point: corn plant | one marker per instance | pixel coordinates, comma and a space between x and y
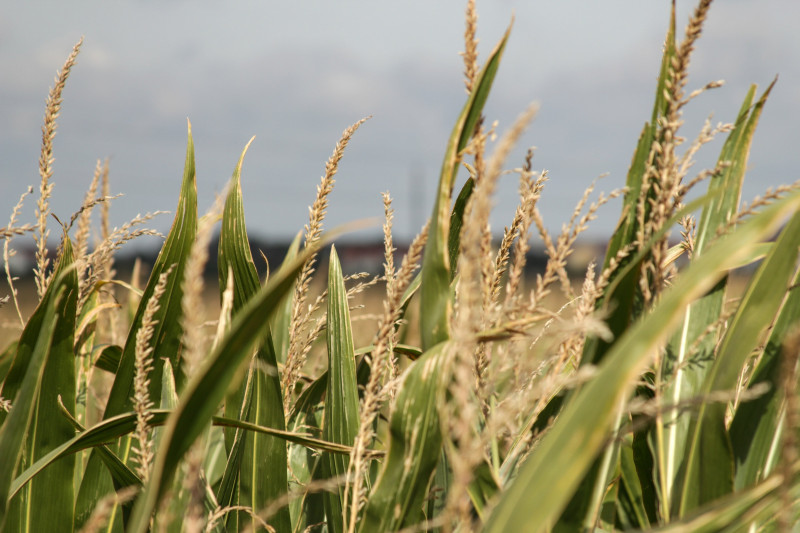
644, 397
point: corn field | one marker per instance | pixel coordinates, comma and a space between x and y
645, 398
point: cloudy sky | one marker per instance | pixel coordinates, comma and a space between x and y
295, 74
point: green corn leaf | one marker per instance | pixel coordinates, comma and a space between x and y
314, 393
170, 517
227, 492
309, 508
167, 332
453, 245
214, 457
708, 466
122, 475
756, 427
436, 306
687, 370
340, 419
169, 391
308, 413
620, 296
301, 476
85, 339
27, 385
108, 359
169, 398
6, 357
234, 259
263, 476
735, 153
440, 487
264, 457
415, 445
49, 498
631, 507
21, 355
740, 512
86, 324
556, 466
124, 424
166, 335
283, 316
457, 221
483, 488
288, 436
204, 392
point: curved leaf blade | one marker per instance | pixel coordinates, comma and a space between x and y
124, 424
264, 457
415, 446
167, 334
709, 466
436, 306
15, 426
340, 417
49, 499
688, 378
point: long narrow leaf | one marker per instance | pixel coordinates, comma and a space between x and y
15, 427
283, 316
688, 370
736, 512
167, 333
414, 447
436, 306
52, 493
708, 466
124, 424
264, 457
49, 499
122, 475
340, 419
756, 426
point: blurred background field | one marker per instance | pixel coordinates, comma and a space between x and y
358, 258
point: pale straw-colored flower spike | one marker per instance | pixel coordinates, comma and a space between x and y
521, 247
52, 110
388, 266
143, 364
295, 358
470, 53
11, 230
666, 171
84, 216
99, 260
